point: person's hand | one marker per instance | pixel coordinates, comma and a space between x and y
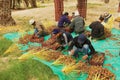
71, 52
85, 57
64, 45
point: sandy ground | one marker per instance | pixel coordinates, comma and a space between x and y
95, 8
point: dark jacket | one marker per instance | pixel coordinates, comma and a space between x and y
97, 29
63, 20
61, 38
78, 45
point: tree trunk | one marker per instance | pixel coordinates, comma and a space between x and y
59, 7
12, 4
106, 1
5, 13
119, 7
18, 4
33, 3
42, 1
82, 7
15, 4
26, 3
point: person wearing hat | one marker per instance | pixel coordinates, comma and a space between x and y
62, 37
77, 23
39, 28
108, 21
97, 29
81, 44
64, 21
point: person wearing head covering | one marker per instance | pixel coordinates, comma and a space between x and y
108, 21
39, 28
72, 16
81, 44
55, 32
62, 37
77, 23
64, 20
97, 29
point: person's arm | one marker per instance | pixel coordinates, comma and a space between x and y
83, 22
65, 38
92, 50
36, 32
71, 45
70, 48
67, 20
72, 24
42, 27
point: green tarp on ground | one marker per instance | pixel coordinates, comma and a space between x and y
110, 46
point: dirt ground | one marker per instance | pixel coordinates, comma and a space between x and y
94, 9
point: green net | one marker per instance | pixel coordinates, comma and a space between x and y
110, 46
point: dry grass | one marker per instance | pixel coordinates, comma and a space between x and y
46, 15
94, 9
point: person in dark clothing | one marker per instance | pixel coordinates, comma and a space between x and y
81, 44
97, 29
64, 38
64, 20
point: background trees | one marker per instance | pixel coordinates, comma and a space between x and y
16, 4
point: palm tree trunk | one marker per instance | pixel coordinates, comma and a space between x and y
26, 3
42, 1
106, 1
82, 7
12, 4
59, 8
5, 13
33, 3
119, 7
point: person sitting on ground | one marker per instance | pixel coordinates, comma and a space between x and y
67, 29
64, 20
108, 21
64, 38
97, 29
39, 28
77, 23
81, 44
71, 17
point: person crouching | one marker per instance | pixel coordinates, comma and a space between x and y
81, 44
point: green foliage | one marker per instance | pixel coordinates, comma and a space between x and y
28, 70
4, 45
